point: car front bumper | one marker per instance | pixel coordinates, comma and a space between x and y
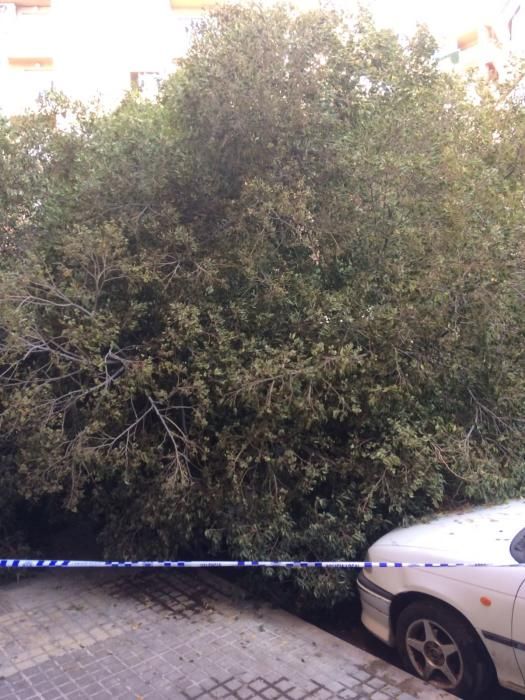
375, 602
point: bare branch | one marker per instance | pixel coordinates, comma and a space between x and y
180, 461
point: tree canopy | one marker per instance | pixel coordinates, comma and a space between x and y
272, 314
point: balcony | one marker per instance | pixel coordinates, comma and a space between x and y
30, 35
25, 80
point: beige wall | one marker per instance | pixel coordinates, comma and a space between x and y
95, 46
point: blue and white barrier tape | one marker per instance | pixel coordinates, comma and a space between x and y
78, 564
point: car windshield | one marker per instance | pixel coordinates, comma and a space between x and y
517, 547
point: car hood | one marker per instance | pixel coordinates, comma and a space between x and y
474, 535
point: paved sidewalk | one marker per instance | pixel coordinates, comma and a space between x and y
173, 635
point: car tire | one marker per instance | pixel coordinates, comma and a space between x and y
438, 645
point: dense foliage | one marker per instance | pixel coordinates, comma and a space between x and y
273, 314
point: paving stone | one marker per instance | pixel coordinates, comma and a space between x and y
361, 675
347, 694
173, 636
296, 694
194, 691
53, 694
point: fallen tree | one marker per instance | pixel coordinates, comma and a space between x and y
273, 314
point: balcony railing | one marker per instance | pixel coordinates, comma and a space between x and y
30, 35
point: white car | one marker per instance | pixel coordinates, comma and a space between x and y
458, 628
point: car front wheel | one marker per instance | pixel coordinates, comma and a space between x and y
437, 644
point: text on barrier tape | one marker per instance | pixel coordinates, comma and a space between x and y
80, 564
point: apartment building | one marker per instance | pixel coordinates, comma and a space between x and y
488, 46
102, 48
95, 48
92, 48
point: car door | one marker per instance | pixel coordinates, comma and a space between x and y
518, 628
486, 597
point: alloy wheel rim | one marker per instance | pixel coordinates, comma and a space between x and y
434, 654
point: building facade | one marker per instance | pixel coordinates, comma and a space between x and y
102, 48
96, 49
488, 46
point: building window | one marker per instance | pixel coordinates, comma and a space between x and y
146, 82
492, 71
